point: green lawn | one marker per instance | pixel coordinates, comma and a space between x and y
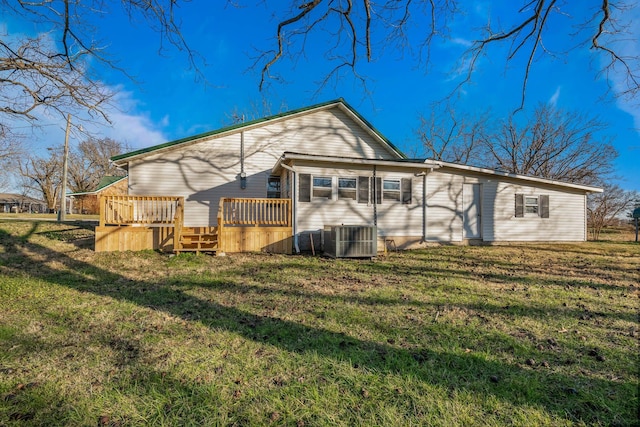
511, 335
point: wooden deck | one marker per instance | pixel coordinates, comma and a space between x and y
157, 222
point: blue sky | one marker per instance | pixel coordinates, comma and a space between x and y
168, 102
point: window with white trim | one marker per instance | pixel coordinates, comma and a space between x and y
531, 205
391, 190
322, 187
347, 188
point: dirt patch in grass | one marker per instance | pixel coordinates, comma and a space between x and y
512, 335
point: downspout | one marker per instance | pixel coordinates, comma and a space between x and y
294, 207
243, 174
375, 198
423, 174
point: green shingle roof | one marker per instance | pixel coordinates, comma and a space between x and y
107, 181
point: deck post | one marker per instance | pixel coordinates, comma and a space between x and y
178, 223
103, 209
221, 224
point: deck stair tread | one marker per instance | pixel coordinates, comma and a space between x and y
198, 240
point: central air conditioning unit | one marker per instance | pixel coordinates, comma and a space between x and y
350, 241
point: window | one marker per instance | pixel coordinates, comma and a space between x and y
322, 187
363, 189
347, 188
528, 206
274, 187
391, 190
406, 191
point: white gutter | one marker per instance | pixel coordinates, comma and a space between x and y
294, 207
355, 161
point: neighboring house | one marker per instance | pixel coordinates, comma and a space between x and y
16, 203
87, 202
338, 169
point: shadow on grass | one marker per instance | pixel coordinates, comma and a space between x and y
557, 393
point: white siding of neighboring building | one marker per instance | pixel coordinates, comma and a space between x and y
209, 169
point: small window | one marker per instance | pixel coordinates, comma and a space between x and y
274, 189
531, 205
347, 188
322, 187
391, 190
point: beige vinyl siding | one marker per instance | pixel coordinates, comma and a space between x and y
206, 170
394, 218
566, 220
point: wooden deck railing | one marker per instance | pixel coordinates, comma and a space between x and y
178, 223
144, 210
254, 212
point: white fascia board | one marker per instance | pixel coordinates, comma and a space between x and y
484, 171
352, 161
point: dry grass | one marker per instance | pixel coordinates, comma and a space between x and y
513, 335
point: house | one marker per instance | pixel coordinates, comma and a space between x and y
87, 202
336, 168
16, 203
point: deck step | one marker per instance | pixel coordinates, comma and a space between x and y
194, 241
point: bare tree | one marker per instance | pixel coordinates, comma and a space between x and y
448, 138
10, 145
357, 30
603, 208
57, 70
11, 148
552, 144
89, 163
42, 176
549, 143
256, 110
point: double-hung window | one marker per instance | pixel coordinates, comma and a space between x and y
532, 206
391, 190
347, 188
322, 186
362, 189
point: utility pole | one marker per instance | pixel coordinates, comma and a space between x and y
63, 195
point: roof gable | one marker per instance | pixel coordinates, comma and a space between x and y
340, 103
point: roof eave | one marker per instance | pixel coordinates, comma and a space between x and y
289, 158
585, 188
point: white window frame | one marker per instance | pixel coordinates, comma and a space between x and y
348, 193
386, 191
322, 188
531, 206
